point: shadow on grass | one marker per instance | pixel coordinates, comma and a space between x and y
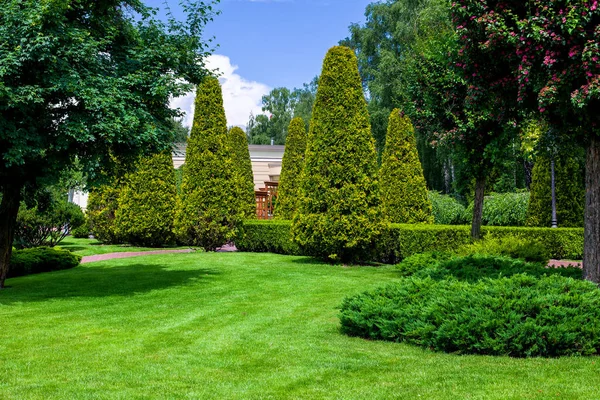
81, 281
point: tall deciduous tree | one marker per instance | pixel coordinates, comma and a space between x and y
240, 156
291, 170
89, 79
339, 216
404, 196
208, 211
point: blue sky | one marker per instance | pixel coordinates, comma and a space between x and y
270, 43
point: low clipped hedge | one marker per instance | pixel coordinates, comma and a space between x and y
41, 259
520, 316
400, 241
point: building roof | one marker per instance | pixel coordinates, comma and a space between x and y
257, 151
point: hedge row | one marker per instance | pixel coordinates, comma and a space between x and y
401, 241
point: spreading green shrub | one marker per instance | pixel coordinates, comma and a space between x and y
291, 170
102, 204
475, 267
447, 210
41, 259
339, 217
147, 201
404, 198
83, 231
46, 225
503, 209
400, 241
240, 155
520, 316
510, 247
208, 211
570, 193
417, 262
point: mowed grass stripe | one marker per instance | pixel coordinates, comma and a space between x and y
235, 326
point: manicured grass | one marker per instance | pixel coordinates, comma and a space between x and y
90, 247
235, 326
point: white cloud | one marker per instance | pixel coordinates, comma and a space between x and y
240, 96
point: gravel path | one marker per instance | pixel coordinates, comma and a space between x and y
127, 254
564, 263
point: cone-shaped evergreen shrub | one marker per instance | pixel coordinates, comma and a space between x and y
570, 193
291, 170
339, 217
147, 203
208, 210
240, 155
101, 207
404, 198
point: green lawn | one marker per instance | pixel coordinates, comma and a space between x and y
90, 247
235, 326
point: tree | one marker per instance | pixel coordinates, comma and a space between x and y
304, 99
339, 216
102, 205
404, 196
180, 132
291, 170
240, 155
86, 80
208, 211
146, 203
258, 129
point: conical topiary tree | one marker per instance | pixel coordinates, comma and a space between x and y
339, 217
570, 193
240, 155
208, 210
101, 208
291, 170
147, 202
404, 196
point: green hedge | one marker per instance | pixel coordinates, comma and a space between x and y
520, 316
401, 241
41, 259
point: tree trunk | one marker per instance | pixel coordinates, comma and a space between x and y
478, 208
554, 221
591, 247
9, 207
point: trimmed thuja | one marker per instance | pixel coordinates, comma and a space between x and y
240, 155
101, 208
208, 211
570, 193
403, 189
147, 202
339, 217
291, 170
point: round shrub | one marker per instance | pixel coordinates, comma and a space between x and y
520, 316
208, 211
503, 209
41, 259
339, 217
240, 155
291, 170
447, 210
404, 198
147, 201
570, 193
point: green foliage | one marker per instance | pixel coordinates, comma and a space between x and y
403, 190
240, 155
446, 209
41, 259
412, 264
103, 202
339, 216
508, 246
398, 241
83, 231
570, 193
267, 236
520, 316
291, 170
146, 203
503, 209
208, 211
46, 224
476, 267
